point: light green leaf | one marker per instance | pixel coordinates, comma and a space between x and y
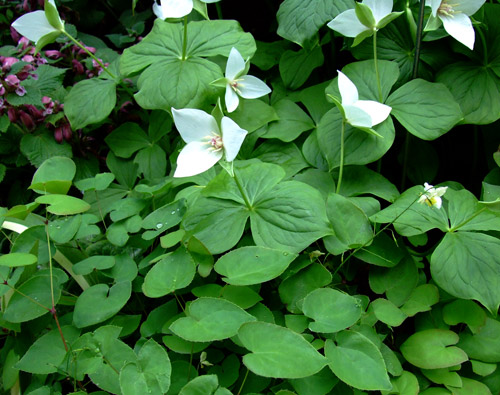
278, 352
288, 156
385, 311
299, 21
15, 259
331, 310
63, 204
90, 101
296, 67
467, 265
202, 385
109, 300
421, 299
433, 349
425, 109
127, 139
54, 176
175, 271
96, 262
47, 352
252, 265
210, 319
253, 114
152, 162
464, 311
357, 361
483, 345
360, 180
292, 122
475, 88
383, 251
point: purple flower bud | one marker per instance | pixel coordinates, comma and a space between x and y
24, 42
8, 62
26, 120
26, 6
77, 67
28, 58
58, 135
66, 131
35, 112
53, 54
47, 111
12, 80
15, 35
12, 114
2, 90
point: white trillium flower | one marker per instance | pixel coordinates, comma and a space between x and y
363, 114
36, 25
206, 143
175, 8
237, 83
454, 14
432, 196
376, 14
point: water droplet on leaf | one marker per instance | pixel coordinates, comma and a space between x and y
159, 225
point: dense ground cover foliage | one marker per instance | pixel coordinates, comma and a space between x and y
270, 197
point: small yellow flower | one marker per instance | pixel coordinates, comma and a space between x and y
432, 196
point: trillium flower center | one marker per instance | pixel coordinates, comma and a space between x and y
447, 9
215, 142
236, 85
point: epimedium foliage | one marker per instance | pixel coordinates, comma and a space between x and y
189, 209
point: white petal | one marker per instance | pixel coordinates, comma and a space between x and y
235, 64
194, 124
377, 111
33, 25
251, 87
172, 8
195, 158
347, 24
380, 8
348, 90
231, 98
441, 191
428, 187
468, 7
437, 201
434, 4
232, 137
460, 28
14, 226
357, 117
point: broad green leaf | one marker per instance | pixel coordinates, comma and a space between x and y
201, 385
296, 67
96, 262
34, 298
152, 162
320, 383
151, 373
383, 251
483, 345
475, 88
421, 299
210, 319
253, 265
125, 171
410, 217
47, 352
406, 384
483, 368
349, 222
177, 83
385, 311
90, 101
127, 139
291, 123
471, 387
425, 109
443, 376
100, 182
253, 114
467, 265
360, 180
318, 179
15, 259
299, 21
433, 349
331, 310
244, 297
109, 300
63, 204
173, 272
464, 311
49, 78
357, 361
289, 217
360, 147
278, 352
288, 156
54, 176
62, 230
163, 218
42, 146
298, 286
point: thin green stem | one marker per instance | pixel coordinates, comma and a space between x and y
242, 191
77, 43
184, 38
418, 39
219, 10
485, 47
377, 75
341, 168
50, 266
243, 383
